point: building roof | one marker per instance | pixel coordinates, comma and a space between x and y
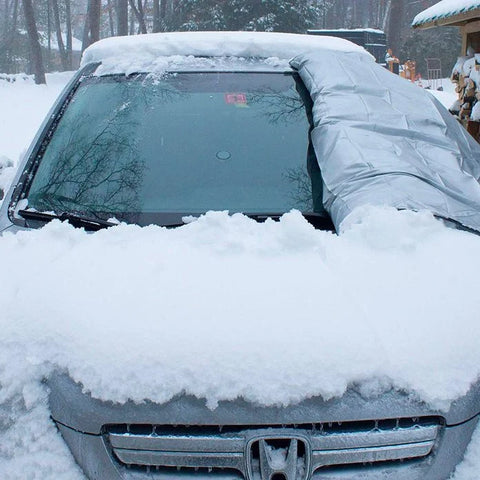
447, 12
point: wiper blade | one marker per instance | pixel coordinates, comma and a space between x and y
262, 217
79, 221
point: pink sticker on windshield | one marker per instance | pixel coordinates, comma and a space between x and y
235, 99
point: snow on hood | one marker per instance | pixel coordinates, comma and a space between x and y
225, 307
143, 52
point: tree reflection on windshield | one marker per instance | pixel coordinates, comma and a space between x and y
147, 145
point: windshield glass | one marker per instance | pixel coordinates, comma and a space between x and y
144, 148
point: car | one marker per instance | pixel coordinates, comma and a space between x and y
166, 127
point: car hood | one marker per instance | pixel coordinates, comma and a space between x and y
73, 407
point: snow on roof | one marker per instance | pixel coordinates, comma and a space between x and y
136, 53
445, 9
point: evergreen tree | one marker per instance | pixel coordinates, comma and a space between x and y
266, 15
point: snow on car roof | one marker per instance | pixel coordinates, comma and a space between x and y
445, 9
148, 52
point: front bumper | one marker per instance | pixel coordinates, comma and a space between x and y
389, 437
94, 455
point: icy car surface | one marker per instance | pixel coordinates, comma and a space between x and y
96, 161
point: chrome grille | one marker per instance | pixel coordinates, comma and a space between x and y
215, 449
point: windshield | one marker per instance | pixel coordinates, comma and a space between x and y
145, 148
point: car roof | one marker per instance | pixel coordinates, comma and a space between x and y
158, 52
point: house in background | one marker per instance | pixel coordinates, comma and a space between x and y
464, 14
16, 59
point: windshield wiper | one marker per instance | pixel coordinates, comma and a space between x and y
79, 221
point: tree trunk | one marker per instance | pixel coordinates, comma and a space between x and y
91, 32
156, 16
35, 48
68, 13
95, 14
58, 28
6, 13
139, 14
110, 17
122, 17
48, 61
395, 24
386, 14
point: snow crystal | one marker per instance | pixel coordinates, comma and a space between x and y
445, 8
142, 53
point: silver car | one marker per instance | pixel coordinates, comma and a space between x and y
97, 158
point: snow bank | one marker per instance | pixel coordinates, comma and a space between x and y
142, 52
445, 8
226, 307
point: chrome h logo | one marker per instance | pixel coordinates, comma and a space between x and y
281, 457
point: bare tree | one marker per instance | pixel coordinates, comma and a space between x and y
122, 17
35, 49
58, 29
386, 14
91, 32
139, 13
110, 17
68, 15
395, 24
157, 26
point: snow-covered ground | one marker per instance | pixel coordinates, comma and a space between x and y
23, 106
447, 96
389, 286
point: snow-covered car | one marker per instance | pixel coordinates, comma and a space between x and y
162, 128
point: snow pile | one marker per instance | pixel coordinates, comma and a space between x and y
226, 307
447, 96
141, 53
201, 303
443, 9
